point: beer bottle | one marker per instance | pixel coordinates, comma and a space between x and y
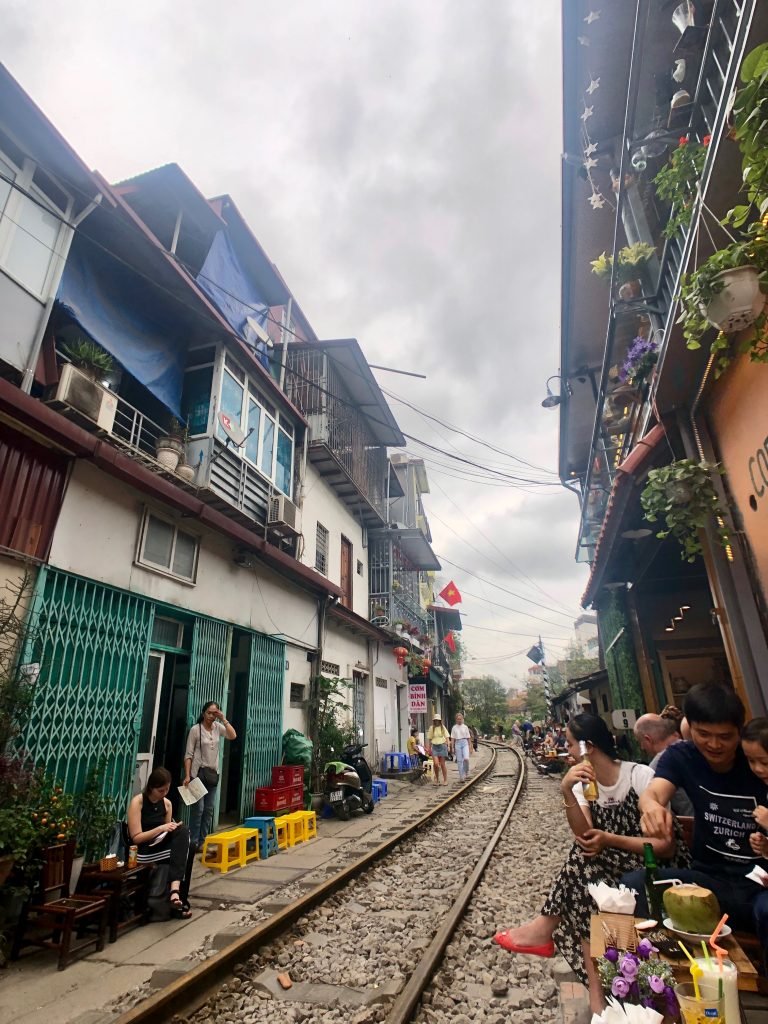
652, 892
590, 788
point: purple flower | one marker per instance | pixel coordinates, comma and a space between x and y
612, 955
628, 967
619, 987
640, 359
645, 947
656, 983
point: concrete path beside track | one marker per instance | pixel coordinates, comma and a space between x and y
32, 991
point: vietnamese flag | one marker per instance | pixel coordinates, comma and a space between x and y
450, 594
450, 643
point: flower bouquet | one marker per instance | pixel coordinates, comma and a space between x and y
638, 979
641, 359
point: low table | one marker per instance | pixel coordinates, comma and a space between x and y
129, 884
748, 976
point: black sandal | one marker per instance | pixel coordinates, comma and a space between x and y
179, 908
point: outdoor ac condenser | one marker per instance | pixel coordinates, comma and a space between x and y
78, 393
283, 515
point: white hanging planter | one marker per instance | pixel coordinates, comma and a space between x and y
187, 473
739, 303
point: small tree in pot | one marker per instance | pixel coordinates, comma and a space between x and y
682, 495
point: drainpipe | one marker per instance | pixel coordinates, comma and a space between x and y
284, 341
322, 604
28, 377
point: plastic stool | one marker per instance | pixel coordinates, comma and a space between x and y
396, 761
375, 791
310, 823
224, 850
429, 767
267, 835
286, 832
382, 784
252, 844
297, 827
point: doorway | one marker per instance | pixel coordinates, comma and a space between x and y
149, 717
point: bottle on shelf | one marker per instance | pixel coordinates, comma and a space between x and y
590, 788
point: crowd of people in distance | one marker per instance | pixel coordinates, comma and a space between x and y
705, 763
458, 745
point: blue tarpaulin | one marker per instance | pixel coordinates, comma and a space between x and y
224, 280
135, 323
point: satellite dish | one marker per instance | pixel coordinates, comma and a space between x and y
234, 433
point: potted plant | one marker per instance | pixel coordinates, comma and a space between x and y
725, 292
750, 129
682, 495
640, 360
170, 447
89, 358
397, 625
379, 611
676, 182
630, 266
95, 821
330, 733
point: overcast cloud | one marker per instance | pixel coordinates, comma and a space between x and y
399, 161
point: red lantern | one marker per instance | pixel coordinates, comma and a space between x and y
427, 663
400, 653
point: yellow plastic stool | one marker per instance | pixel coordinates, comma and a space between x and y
283, 832
428, 767
252, 845
224, 850
310, 823
297, 827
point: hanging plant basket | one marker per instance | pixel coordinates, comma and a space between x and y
738, 302
683, 497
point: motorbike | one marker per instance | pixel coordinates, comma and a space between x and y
348, 783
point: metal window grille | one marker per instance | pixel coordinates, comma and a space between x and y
382, 682
329, 668
321, 549
358, 704
167, 632
297, 693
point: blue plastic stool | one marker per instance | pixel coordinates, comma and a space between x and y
396, 761
375, 791
326, 812
383, 787
267, 835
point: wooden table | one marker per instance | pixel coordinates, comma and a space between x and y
122, 884
748, 976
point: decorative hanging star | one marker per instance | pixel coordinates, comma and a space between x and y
590, 162
596, 201
593, 86
583, 40
588, 111
591, 148
592, 16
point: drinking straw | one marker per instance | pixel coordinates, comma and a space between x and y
695, 972
719, 950
707, 957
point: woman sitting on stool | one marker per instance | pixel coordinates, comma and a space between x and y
149, 819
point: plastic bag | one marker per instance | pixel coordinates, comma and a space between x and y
297, 749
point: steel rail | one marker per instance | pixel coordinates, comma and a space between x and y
403, 1007
191, 990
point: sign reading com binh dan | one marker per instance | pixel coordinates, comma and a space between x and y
417, 698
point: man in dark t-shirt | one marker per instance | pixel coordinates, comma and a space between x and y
713, 771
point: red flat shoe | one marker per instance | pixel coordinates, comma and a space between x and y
503, 939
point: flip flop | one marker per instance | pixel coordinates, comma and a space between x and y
179, 908
504, 940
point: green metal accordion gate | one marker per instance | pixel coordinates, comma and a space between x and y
264, 728
92, 643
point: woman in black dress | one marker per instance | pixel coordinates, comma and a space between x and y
160, 838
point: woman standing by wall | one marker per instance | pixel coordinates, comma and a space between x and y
201, 761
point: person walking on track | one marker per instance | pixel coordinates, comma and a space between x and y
460, 740
438, 739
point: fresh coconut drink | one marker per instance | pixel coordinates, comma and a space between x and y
692, 908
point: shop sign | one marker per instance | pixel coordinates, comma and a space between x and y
417, 698
624, 718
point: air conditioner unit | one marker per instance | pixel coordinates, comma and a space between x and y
78, 393
283, 515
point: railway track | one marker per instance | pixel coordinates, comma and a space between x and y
363, 945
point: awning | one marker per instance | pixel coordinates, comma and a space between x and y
416, 548
623, 484
448, 618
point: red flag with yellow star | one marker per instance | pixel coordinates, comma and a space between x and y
450, 594
450, 643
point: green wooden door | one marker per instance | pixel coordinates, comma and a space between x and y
264, 720
92, 643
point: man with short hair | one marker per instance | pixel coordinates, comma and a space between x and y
654, 735
714, 772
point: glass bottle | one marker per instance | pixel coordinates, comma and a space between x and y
590, 788
653, 892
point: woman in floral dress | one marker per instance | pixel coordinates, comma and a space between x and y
607, 844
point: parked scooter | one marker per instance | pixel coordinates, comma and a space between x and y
348, 783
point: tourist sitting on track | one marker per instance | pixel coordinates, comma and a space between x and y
160, 838
438, 738
607, 839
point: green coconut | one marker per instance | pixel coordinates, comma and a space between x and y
692, 908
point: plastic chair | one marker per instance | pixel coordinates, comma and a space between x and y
383, 787
267, 834
286, 832
224, 850
297, 827
251, 846
310, 823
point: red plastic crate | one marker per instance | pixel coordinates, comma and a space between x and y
287, 775
278, 798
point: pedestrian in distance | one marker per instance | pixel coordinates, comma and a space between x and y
475, 738
201, 761
159, 838
461, 737
438, 739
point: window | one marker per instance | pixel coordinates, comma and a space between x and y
197, 398
167, 632
284, 465
330, 668
382, 682
166, 548
297, 694
231, 402
30, 225
268, 446
321, 549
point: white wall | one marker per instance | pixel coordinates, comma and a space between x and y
97, 535
299, 670
322, 505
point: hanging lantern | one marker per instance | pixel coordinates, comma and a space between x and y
400, 653
427, 663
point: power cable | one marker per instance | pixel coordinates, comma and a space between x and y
497, 586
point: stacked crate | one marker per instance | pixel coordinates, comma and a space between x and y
286, 793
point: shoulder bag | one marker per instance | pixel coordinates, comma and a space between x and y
208, 776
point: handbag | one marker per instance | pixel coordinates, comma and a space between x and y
208, 776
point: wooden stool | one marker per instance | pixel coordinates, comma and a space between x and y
224, 850
310, 823
252, 845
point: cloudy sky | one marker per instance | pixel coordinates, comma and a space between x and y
399, 160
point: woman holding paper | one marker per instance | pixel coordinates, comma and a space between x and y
608, 843
159, 837
201, 761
